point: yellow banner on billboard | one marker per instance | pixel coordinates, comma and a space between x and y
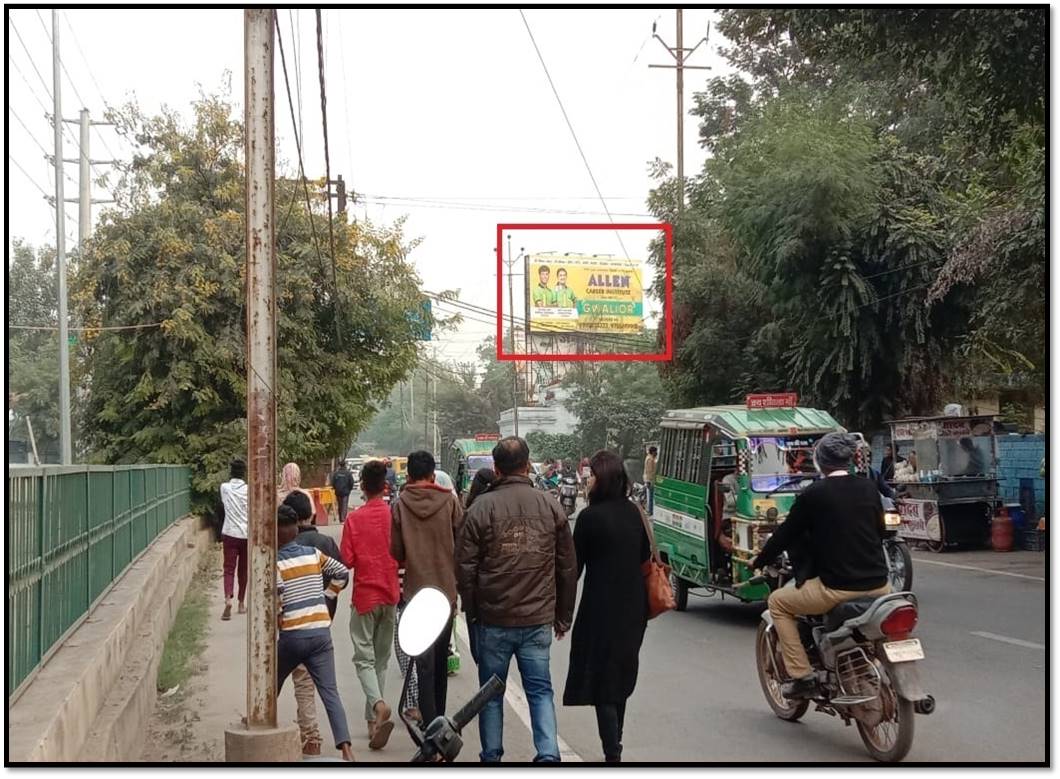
580, 293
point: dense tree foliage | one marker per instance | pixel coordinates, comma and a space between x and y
33, 349
172, 259
869, 229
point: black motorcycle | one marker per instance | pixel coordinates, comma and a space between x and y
896, 550
568, 493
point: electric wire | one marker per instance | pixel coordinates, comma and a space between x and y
327, 172
32, 180
298, 146
92, 76
570, 126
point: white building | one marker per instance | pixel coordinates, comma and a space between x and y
552, 417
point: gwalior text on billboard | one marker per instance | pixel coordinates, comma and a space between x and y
584, 294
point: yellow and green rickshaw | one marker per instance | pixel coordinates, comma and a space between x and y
727, 476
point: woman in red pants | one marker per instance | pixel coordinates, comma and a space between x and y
234, 536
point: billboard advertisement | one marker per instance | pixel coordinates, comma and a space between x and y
579, 293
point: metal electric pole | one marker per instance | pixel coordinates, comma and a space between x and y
258, 738
65, 444
261, 369
85, 162
680, 54
511, 329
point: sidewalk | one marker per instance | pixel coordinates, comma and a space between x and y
217, 696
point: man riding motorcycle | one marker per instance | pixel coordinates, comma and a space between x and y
836, 525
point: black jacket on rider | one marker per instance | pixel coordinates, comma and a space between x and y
839, 522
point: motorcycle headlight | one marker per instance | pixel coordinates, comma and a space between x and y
892, 519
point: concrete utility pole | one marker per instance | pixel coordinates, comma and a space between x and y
84, 198
259, 739
680, 54
65, 443
511, 327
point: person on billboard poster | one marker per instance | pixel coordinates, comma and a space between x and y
542, 296
562, 295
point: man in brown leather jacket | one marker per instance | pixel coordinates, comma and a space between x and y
517, 575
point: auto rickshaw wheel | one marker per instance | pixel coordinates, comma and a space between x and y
680, 588
769, 678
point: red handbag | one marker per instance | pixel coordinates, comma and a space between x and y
656, 575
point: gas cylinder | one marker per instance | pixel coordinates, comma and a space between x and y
1002, 537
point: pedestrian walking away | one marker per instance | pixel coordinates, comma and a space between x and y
425, 522
304, 690
291, 481
366, 551
650, 465
518, 577
305, 624
234, 536
611, 546
342, 483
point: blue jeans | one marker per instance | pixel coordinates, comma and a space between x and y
530, 645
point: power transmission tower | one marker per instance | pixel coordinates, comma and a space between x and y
84, 197
680, 54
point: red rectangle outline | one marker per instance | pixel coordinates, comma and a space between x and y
665, 356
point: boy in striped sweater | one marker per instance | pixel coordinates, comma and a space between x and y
304, 621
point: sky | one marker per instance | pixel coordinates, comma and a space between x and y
445, 117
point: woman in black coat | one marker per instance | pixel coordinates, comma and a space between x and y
612, 544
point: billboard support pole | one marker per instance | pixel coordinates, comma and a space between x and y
511, 329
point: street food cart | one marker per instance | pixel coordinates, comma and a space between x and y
946, 483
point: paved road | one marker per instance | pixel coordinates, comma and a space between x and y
698, 697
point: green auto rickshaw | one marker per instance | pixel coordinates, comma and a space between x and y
727, 476
465, 456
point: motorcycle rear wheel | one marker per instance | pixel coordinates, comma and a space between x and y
901, 567
790, 710
890, 741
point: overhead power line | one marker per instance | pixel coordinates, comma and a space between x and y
414, 202
327, 171
92, 76
298, 146
570, 126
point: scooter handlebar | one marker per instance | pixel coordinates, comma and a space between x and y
471, 709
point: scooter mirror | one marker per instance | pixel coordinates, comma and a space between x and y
423, 620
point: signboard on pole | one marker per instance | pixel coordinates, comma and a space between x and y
584, 294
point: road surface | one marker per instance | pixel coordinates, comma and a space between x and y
698, 697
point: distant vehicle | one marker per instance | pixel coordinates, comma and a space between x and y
464, 457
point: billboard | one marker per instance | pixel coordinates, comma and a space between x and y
579, 293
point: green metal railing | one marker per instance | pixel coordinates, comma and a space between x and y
71, 531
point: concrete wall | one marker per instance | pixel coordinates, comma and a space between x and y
92, 699
1019, 459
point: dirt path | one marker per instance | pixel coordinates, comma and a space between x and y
177, 731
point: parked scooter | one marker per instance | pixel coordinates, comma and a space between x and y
422, 621
864, 658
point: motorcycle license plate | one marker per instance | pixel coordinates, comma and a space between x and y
904, 651
568, 491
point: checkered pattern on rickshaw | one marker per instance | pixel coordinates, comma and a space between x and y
743, 461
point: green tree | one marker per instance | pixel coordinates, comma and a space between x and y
618, 405
33, 348
171, 260
546, 447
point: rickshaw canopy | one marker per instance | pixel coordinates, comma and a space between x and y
742, 422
